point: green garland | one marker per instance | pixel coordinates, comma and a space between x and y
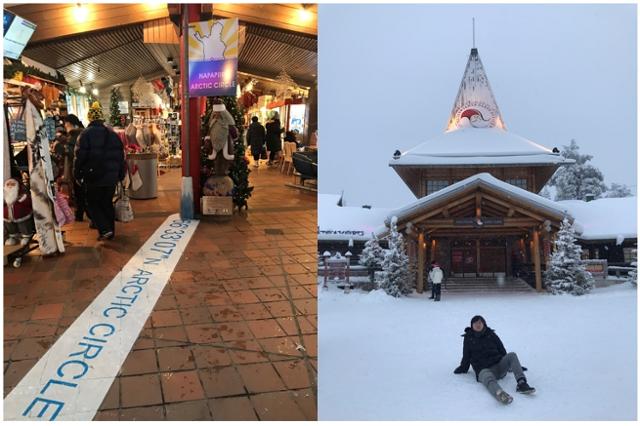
11, 68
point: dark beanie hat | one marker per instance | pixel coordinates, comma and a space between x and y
478, 318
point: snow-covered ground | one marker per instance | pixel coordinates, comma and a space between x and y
393, 359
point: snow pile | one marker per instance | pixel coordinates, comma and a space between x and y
394, 359
605, 218
377, 296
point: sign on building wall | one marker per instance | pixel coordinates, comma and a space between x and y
213, 58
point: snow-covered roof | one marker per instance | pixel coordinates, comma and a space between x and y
472, 145
337, 223
486, 179
604, 218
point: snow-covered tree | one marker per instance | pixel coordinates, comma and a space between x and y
396, 276
618, 190
576, 181
545, 193
372, 255
566, 273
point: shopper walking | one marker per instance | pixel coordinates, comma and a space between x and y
74, 127
256, 137
274, 142
100, 164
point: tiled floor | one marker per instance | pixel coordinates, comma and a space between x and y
233, 336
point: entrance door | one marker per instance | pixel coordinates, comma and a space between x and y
493, 257
464, 258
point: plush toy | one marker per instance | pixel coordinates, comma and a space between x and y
18, 214
222, 132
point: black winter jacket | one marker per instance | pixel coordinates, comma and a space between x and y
98, 143
274, 142
256, 136
481, 350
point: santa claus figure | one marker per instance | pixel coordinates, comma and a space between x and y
18, 214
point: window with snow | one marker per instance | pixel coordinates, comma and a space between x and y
520, 183
436, 185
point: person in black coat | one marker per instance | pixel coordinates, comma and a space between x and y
256, 136
484, 351
100, 165
274, 142
74, 128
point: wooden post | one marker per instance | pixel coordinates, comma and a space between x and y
536, 258
508, 250
421, 256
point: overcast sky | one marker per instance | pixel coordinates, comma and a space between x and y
388, 77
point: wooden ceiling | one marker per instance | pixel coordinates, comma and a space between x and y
112, 44
100, 58
61, 19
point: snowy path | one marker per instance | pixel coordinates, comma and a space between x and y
388, 359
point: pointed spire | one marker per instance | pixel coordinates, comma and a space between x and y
475, 105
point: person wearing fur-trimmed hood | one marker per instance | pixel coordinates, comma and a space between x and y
483, 350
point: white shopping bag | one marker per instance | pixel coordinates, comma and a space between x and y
136, 181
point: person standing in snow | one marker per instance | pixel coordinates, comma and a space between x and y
436, 275
484, 351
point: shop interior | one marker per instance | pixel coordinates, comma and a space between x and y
126, 57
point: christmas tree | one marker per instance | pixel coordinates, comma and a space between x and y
396, 276
240, 175
566, 273
114, 109
372, 255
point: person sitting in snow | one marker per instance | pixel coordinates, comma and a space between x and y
484, 351
436, 275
